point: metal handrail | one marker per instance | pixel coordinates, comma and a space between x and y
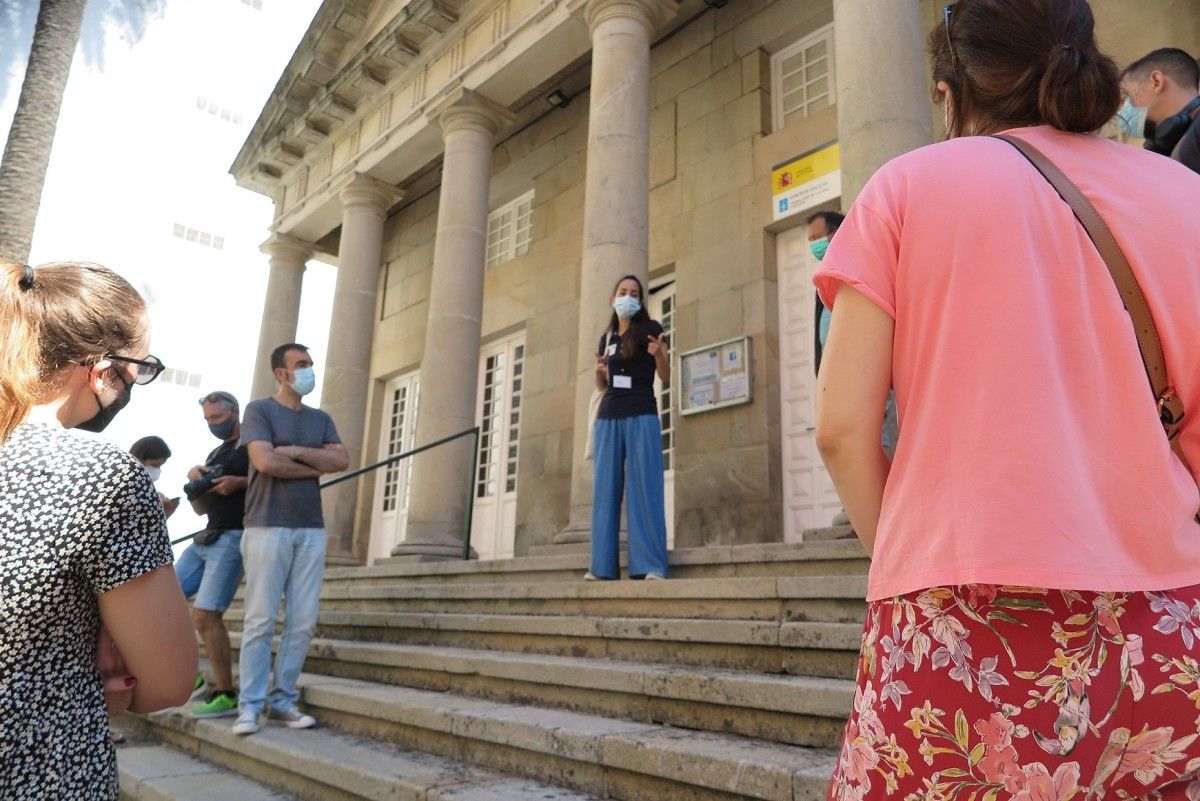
388, 462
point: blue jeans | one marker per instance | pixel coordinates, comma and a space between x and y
633, 446
279, 562
211, 572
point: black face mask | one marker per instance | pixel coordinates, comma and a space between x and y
223, 431
105, 415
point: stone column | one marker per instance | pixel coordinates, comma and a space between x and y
365, 202
281, 309
450, 367
616, 215
878, 119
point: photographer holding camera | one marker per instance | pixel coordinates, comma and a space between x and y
211, 568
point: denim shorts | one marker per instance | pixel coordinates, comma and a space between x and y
212, 573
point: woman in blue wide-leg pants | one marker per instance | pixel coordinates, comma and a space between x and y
629, 456
627, 441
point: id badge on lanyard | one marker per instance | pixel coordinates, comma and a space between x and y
618, 381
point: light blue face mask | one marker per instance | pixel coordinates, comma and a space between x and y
305, 381
819, 247
1131, 120
626, 306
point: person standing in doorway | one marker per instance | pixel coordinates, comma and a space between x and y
211, 568
821, 228
628, 440
283, 545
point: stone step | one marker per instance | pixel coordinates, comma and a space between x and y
326, 765
592, 754
809, 535
798, 710
833, 599
818, 649
826, 533
837, 557
160, 773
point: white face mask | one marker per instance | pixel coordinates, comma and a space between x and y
155, 473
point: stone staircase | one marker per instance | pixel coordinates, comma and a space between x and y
517, 680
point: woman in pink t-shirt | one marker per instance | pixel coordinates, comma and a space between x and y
1034, 617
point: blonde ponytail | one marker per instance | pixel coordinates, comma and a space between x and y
20, 363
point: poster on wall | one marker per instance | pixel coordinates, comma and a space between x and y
715, 376
806, 181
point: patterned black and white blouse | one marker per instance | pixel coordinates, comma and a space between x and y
77, 518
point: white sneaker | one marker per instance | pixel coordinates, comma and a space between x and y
291, 717
247, 723
590, 576
655, 577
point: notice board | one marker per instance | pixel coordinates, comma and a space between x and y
715, 376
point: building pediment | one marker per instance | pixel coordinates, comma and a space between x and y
357, 94
351, 50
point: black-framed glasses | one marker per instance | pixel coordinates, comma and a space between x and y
148, 369
946, 23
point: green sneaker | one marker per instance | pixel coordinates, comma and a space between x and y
217, 705
197, 686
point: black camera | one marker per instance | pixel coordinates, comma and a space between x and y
194, 489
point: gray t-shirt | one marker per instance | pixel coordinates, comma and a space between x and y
285, 502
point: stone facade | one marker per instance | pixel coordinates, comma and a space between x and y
359, 99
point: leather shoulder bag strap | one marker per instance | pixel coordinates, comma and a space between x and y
1170, 407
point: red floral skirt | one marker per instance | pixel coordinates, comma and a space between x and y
982, 693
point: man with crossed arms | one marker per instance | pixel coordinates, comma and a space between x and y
283, 546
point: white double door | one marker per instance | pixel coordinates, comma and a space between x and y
661, 306
398, 434
809, 499
501, 382
494, 483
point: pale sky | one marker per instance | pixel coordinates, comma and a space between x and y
133, 156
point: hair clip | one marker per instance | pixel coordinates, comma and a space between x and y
26, 280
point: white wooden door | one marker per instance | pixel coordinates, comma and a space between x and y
809, 499
494, 521
398, 433
661, 307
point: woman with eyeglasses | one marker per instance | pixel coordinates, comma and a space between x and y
93, 619
1033, 616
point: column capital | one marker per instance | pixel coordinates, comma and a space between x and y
289, 248
651, 13
360, 191
465, 109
